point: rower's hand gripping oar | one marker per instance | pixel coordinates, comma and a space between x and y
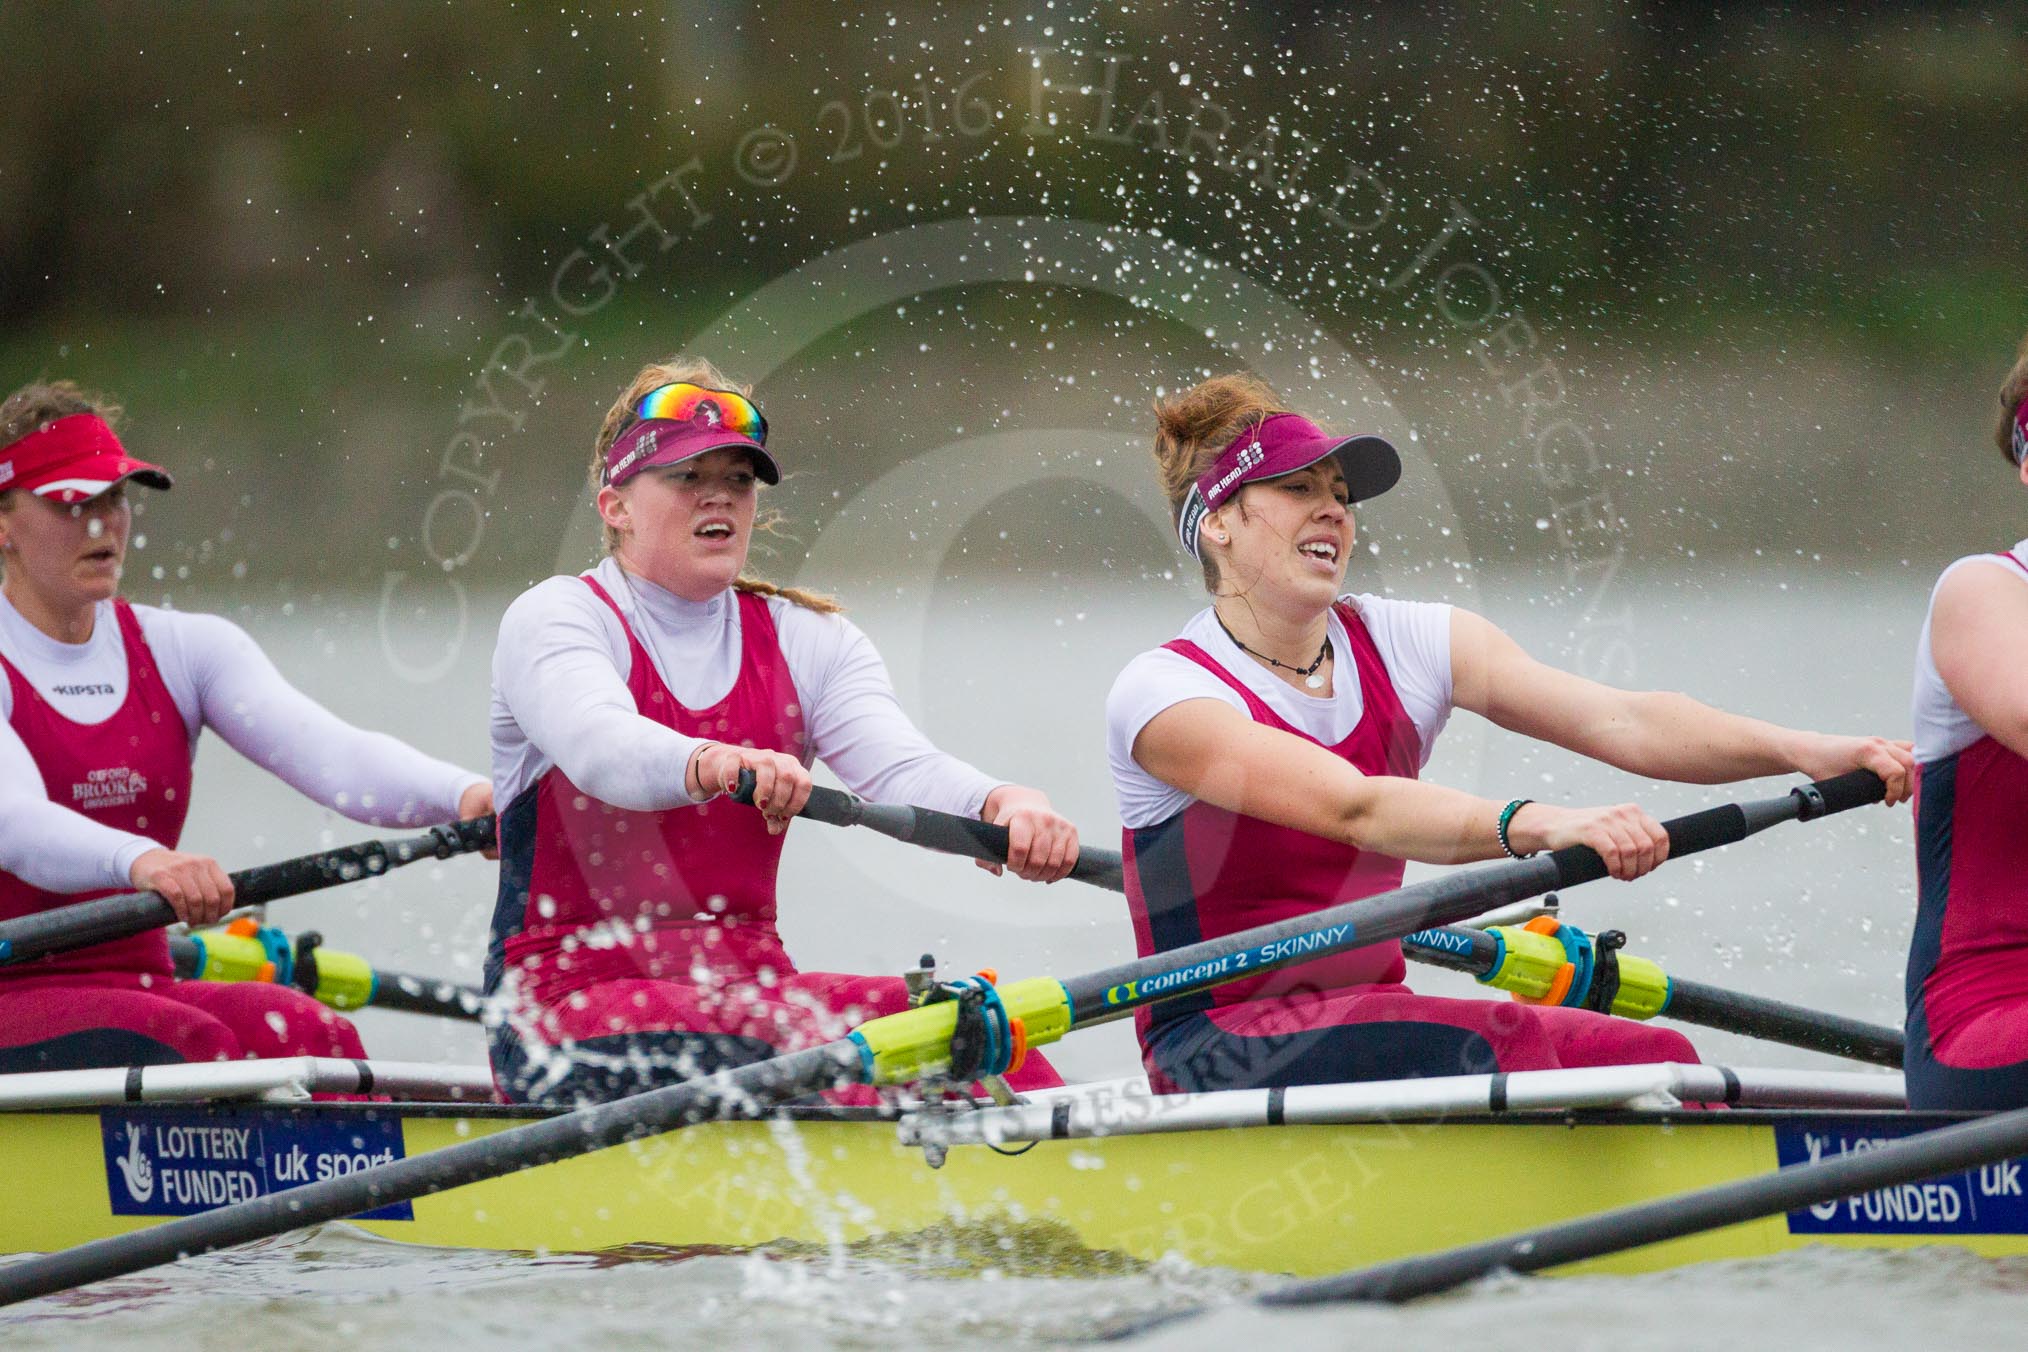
900, 1047
943, 831
107, 918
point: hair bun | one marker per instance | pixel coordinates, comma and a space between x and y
1192, 427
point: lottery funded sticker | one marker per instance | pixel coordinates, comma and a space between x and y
1985, 1201
178, 1162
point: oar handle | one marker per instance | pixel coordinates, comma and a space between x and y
1731, 822
104, 919
945, 832
1854, 788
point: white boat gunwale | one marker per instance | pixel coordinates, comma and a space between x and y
830, 1115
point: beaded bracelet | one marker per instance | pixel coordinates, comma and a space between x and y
1506, 820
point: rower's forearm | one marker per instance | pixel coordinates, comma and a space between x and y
49, 846
1409, 819
634, 764
1663, 735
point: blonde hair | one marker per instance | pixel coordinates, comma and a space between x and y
38, 404
681, 370
2013, 390
1193, 428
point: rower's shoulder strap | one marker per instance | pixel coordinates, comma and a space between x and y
1362, 638
2009, 556
1255, 705
604, 595
635, 651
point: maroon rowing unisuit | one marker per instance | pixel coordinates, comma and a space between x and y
637, 948
118, 1003
1206, 872
1967, 975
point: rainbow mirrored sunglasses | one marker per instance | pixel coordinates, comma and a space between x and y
722, 409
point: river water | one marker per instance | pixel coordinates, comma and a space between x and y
1014, 679
341, 1287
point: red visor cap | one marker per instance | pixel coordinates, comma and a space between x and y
73, 460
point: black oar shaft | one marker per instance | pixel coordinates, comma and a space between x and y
108, 918
1965, 1146
1108, 994
426, 995
942, 831
748, 1091
1775, 1021
1474, 952
391, 990
952, 834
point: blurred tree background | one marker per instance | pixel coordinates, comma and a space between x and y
1763, 240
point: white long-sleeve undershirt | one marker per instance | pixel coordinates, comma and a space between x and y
219, 679
1942, 727
560, 697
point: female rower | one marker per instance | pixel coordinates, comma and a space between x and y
1266, 764
103, 702
635, 934
1967, 1043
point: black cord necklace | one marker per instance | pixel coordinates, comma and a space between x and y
1311, 676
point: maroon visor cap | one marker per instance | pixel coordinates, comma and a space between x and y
1280, 445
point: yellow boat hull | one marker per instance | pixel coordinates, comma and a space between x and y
1289, 1199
